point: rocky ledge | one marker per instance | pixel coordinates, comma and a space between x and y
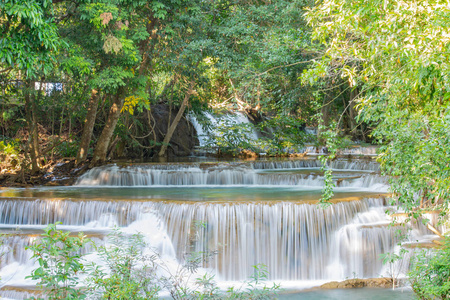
382, 282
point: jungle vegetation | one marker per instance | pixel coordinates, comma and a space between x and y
80, 78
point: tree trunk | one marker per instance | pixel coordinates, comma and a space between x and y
61, 122
111, 147
353, 113
175, 122
30, 107
325, 109
88, 128
101, 148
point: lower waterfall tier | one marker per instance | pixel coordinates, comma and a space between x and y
296, 241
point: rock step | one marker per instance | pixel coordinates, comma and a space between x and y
383, 282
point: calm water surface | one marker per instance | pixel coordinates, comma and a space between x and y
352, 294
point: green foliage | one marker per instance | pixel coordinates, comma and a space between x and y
243, 53
281, 135
227, 136
258, 47
253, 288
327, 191
232, 138
284, 134
8, 114
29, 35
332, 143
206, 288
430, 273
129, 273
395, 53
60, 264
67, 148
9, 148
9, 154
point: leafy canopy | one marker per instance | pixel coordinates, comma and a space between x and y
29, 35
396, 55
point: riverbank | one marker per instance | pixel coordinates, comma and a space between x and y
60, 172
63, 171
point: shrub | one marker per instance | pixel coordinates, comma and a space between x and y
9, 154
430, 273
128, 272
60, 263
67, 148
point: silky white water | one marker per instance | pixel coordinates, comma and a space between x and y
213, 126
301, 173
250, 213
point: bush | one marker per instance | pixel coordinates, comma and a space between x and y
285, 135
67, 148
128, 272
430, 273
60, 263
9, 154
232, 138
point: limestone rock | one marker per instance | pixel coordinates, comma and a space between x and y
382, 282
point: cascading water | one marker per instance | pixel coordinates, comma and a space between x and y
210, 126
249, 212
292, 239
231, 174
214, 125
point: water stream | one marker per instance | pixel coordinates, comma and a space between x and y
260, 212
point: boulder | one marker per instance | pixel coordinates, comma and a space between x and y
382, 282
152, 130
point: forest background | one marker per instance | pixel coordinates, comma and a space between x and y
88, 80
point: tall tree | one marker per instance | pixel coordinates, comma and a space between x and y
261, 50
107, 35
397, 53
124, 41
29, 44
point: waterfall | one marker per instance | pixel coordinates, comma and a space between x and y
257, 173
91, 214
296, 241
210, 126
218, 124
18, 294
351, 151
293, 240
337, 164
286, 231
355, 253
14, 248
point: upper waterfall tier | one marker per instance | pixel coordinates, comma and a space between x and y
338, 164
214, 125
353, 174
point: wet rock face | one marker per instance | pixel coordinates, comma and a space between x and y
254, 116
154, 128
